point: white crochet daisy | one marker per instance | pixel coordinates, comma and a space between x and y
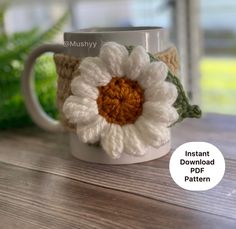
122, 100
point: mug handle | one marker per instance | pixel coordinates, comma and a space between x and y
33, 106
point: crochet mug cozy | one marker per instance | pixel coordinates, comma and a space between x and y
121, 102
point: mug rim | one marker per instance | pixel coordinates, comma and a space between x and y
110, 30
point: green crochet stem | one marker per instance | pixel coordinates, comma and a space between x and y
182, 105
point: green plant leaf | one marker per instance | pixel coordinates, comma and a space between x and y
3, 7
31, 41
13, 50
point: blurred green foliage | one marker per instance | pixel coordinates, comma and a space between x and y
14, 49
218, 85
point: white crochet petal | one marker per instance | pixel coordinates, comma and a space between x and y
161, 113
78, 109
154, 73
137, 60
112, 141
155, 134
165, 92
94, 72
133, 143
82, 89
91, 132
114, 56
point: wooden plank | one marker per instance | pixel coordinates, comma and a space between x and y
32, 199
48, 152
219, 130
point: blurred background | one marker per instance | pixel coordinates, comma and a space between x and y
204, 32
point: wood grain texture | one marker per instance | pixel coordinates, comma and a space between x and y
41, 154
32, 199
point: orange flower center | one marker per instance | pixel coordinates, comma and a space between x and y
120, 101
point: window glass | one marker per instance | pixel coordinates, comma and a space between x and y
218, 64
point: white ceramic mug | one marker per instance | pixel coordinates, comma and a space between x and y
81, 44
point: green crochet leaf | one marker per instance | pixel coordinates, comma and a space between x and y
182, 104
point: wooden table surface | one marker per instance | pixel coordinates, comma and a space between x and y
43, 186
